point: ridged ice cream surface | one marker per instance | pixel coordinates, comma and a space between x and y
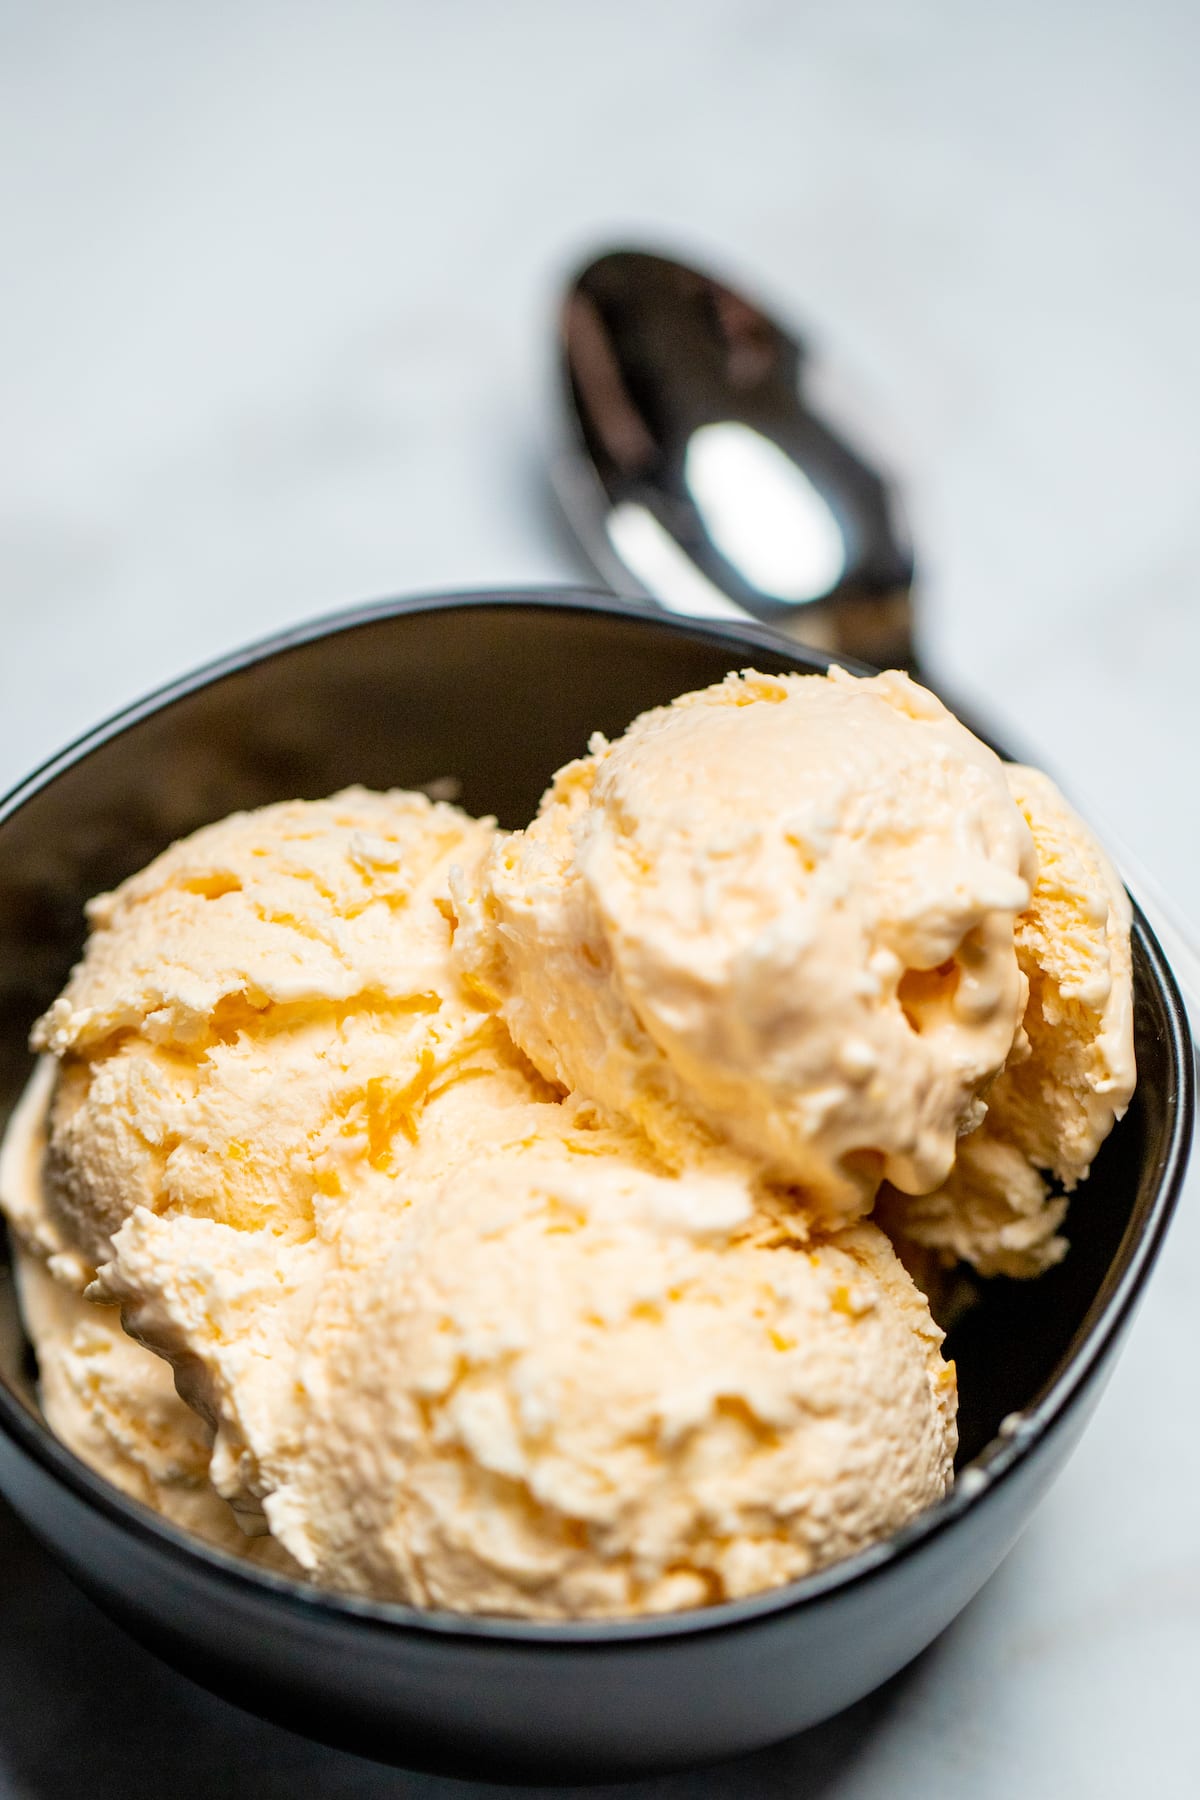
259, 1017
479, 1220
267, 999
594, 1408
1071, 1074
104, 1395
779, 913
415, 1299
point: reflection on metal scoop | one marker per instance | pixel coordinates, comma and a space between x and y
700, 472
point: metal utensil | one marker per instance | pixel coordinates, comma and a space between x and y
698, 469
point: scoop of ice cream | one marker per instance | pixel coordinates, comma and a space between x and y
257, 1022
777, 913
1072, 1072
109, 1400
569, 1389
264, 992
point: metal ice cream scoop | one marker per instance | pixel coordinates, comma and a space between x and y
698, 468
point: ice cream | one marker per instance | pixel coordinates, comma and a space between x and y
260, 1015
1071, 1074
635, 1393
457, 1339
778, 913
497, 1201
264, 992
550, 1378
106, 1397
595, 1407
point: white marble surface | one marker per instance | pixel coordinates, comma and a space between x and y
275, 287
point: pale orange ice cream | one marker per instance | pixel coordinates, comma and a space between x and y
276, 1167
778, 913
1071, 1074
593, 1407
546, 1377
104, 1395
258, 1017
266, 992
496, 1200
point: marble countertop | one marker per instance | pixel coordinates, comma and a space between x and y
276, 294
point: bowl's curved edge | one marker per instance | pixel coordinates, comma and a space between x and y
1080, 1366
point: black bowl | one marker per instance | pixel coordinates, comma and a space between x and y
496, 691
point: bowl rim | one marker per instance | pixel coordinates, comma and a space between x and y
1049, 1407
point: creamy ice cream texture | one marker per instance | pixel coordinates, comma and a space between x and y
260, 1015
268, 992
1071, 1073
596, 1407
435, 1163
817, 919
456, 1339
105, 1396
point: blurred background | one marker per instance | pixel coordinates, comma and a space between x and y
277, 301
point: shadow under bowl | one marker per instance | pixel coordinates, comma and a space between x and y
493, 692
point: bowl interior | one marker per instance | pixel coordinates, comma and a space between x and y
488, 697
